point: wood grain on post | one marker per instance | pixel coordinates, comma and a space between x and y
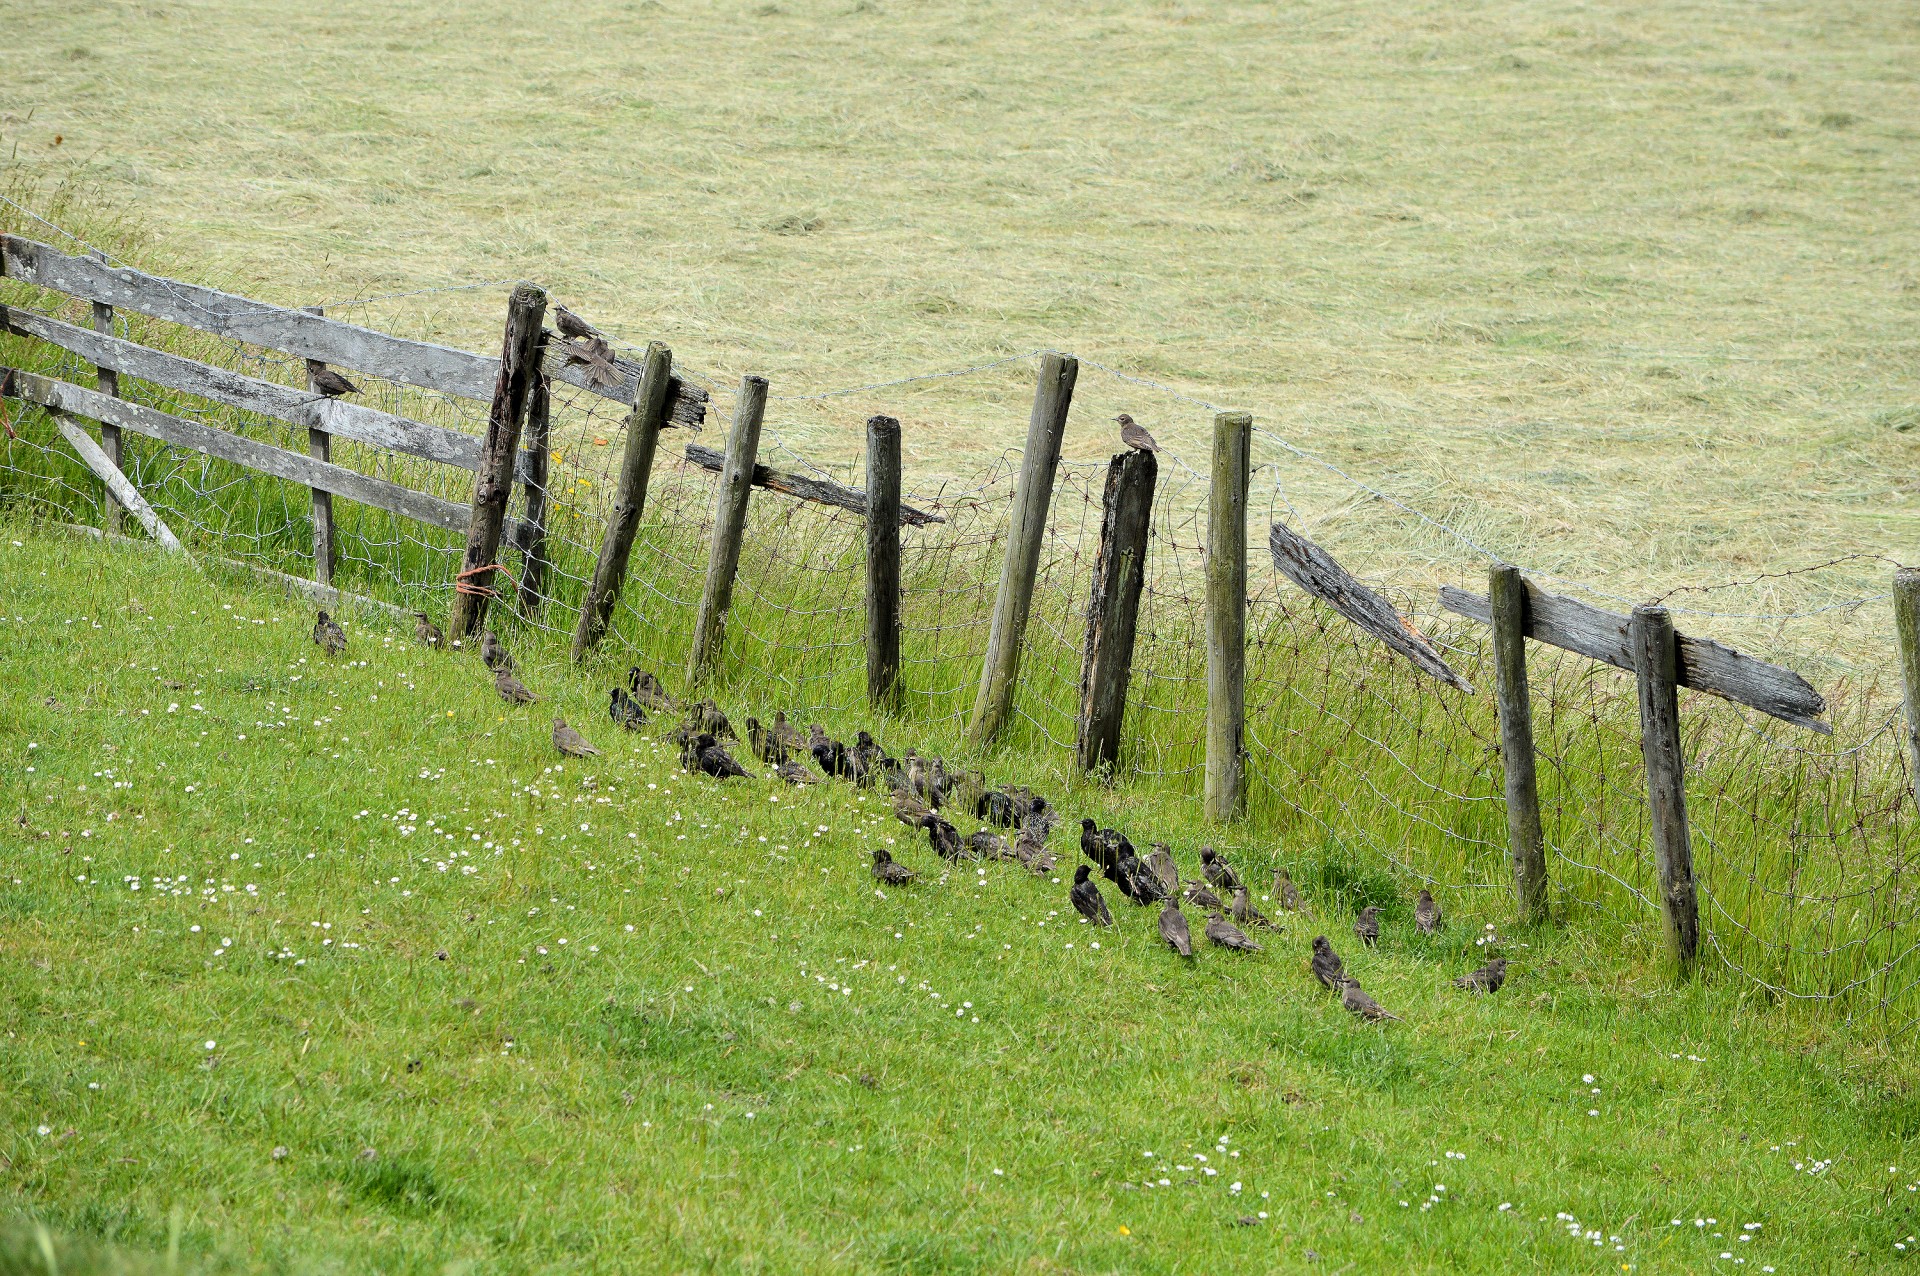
729, 526
1906, 619
535, 462
107, 381
1525, 840
883, 563
1656, 669
1113, 610
519, 362
126, 494
629, 499
1000, 671
320, 448
1227, 616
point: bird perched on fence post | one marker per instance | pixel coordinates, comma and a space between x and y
1326, 964
1356, 1000
1086, 898
572, 326
1366, 927
427, 632
1134, 436
1486, 979
1426, 913
330, 383
571, 742
327, 632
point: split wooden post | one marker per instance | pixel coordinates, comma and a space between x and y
107, 381
883, 563
519, 364
629, 498
320, 448
1656, 668
536, 460
729, 525
1507, 589
1906, 619
1113, 610
1000, 672
1227, 616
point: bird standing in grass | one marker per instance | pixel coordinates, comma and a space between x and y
427, 632
1245, 914
327, 632
796, 773
1134, 436
1486, 979
764, 746
705, 715
1173, 928
647, 690
511, 689
1086, 898
1160, 862
1326, 963
331, 383
1366, 927
944, 838
828, 754
1201, 896
625, 711
988, 845
1356, 1000
1227, 935
786, 735
1426, 914
571, 742
493, 652
888, 873
703, 753
1286, 892
1218, 871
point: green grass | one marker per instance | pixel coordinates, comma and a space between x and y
536, 1105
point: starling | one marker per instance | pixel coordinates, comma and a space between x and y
1245, 914
938, 782
571, 742
1173, 929
998, 807
828, 754
572, 326
1134, 436
796, 773
625, 711
1360, 1004
1029, 848
427, 632
944, 838
1097, 844
966, 791
596, 356
1326, 963
647, 690
1227, 935
1201, 896
705, 716
1160, 860
327, 632
1367, 925
1426, 914
511, 689
868, 758
917, 778
1138, 882
888, 873
1218, 871
1486, 979
708, 756
989, 845
331, 383
786, 734
493, 652
764, 745
1086, 898
1285, 891
910, 810
1040, 813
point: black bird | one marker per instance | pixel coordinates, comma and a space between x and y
1227, 935
996, 806
427, 632
1138, 882
1367, 925
331, 383
1173, 929
1486, 979
1134, 436
1093, 845
1326, 963
828, 754
327, 632
944, 837
869, 758
708, 756
764, 746
647, 690
1086, 898
1426, 913
888, 873
1356, 1000
1218, 871
572, 326
705, 715
989, 845
625, 710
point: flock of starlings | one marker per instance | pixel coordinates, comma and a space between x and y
922, 790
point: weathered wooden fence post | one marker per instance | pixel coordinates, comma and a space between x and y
1000, 672
1507, 591
1119, 575
729, 524
1227, 616
629, 499
1906, 620
107, 381
320, 448
536, 458
519, 365
1656, 668
883, 563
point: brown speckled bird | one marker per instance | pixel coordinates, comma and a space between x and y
331, 383
1326, 963
1134, 436
572, 326
427, 632
944, 838
1486, 979
1201, 896
571, 742
1285, 891
647, 690
1227, 935
327, 632
1245, 914
1356, 1000
493, 652
596, 356
1426, 914
1173, 928
1160, 861
888, 873
796, 773
511, 689
910, 810
989, 845
1367, 925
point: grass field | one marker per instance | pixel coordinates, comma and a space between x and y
320, 966
1627, 292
